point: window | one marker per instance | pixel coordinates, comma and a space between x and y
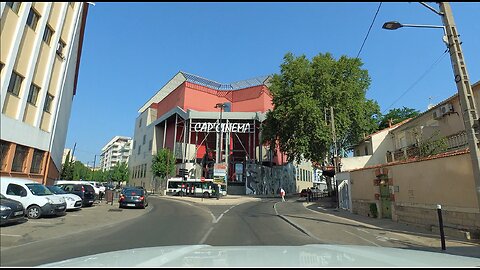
47, 35
139, 147
150, 145
48, 103
37, 161
19, 158
140, 122
4, 146
15, 190
60, 46
32, 19
366, 150
15, 6
33, 94
144, 138
15, 84
133, 145
71, 4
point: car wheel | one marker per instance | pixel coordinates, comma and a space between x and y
34, 212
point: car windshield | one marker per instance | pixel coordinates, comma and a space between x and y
56, 190
39, 189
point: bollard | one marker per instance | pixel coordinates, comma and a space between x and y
440, 222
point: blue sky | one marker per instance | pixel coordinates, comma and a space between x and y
131, 50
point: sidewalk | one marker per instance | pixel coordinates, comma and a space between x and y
224, 200
414, 236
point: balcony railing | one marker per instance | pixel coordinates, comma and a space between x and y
457, 141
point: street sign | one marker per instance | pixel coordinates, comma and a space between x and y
219, 170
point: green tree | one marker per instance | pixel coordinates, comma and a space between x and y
163, 165
81, 171
396, 116
119, 172
67, 168
302, 93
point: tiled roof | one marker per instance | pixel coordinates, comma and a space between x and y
222, 86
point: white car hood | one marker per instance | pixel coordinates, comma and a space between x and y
56, 199
269, 256
69, 195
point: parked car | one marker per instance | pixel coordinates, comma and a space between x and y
96, 189
11, 211
84, 191
36, 198
73, 201
133, 197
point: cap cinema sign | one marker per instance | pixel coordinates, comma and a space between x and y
226, 127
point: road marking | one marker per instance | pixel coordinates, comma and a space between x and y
70, 215
206, 235
362, 238
216, 220
38, 222
13, 235
363, 230
322, 208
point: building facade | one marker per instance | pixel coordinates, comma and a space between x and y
40, 51
66, 151
116, 151
185, 117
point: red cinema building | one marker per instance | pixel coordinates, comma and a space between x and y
204, 123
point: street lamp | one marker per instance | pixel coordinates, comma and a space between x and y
219, 156
464, 88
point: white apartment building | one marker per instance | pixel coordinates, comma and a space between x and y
40, 50
116, 151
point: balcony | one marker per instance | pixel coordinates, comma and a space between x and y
457, 141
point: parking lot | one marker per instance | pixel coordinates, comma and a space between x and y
99, 215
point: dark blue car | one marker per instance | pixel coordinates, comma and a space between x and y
11, 211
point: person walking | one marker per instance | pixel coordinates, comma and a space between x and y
282, 193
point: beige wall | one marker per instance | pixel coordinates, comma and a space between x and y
29, 115
418, 187
7, 25
11, 105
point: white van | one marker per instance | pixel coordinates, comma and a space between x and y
36, 198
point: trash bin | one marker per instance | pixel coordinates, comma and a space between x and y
109, 196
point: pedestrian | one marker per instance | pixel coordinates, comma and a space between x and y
282, 193
309, 195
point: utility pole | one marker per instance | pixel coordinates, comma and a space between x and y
93, 169
73, 152
465, 93
334, 137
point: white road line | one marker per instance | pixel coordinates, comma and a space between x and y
38, 222
216, 221
13, 235
275, 207
363, 230
363, 238
206, 235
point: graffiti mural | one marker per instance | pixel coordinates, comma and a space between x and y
263, 180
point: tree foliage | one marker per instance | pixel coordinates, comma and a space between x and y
396, 115
163, 163
119, 172
302, 93
67, 168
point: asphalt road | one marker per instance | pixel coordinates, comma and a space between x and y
171, 222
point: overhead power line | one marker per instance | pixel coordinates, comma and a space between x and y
418, 80
373, 21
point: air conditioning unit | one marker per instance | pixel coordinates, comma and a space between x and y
447, 108
442, 110
437, 114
